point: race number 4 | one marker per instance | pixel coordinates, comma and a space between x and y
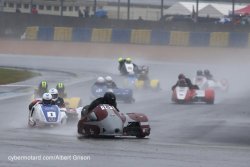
51, 114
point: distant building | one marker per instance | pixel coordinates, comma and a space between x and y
71, 8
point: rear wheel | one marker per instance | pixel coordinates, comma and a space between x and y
210, 101
180, 101
140, 136
209, 96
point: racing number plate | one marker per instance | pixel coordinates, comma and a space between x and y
51, 114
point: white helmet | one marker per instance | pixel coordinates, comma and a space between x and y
100, 80
54, 93
108, 79
47, 98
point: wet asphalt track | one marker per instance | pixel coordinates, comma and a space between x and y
182, 135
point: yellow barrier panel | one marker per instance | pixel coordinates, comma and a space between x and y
31, 33
101, 35
178, 38
62, 34
140, 36
219, 39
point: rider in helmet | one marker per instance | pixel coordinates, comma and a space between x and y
199, 76
42, 88
61, 90
128, 60
110, 83
46, 100
208, 75
108, 98
98, 87
199, 73
184, 80
100, 81
143, 74
121, 62
55, 98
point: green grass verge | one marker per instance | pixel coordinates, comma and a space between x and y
13, 75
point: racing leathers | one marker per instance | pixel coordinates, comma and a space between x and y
97, 84
185, 81
94, 104
111, 85
59, 102
209, 76
62, 94
33, 103
143, 76
121, 63
99, 101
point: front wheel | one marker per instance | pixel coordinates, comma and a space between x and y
31, 123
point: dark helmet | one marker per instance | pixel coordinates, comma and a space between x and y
199, 73
109, 97
60, 87
181, 76
206, 72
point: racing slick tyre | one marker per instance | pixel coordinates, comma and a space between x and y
140, 136
210, 102
209, 96
123, 70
